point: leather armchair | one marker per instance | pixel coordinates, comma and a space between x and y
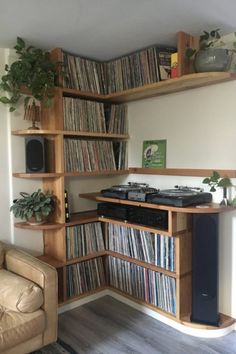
28, 320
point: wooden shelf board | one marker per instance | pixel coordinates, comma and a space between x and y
86, 258
206, 209
185, 82
83, 218
46, 226
95, 135
37, 175
52, 261
82, 94
25, 132
166, 87
136, 226
96, 173
78, 297
225, 321
181, 172
142, 263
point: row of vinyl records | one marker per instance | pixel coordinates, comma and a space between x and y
137, 69
92, 155
91, 116
145, 246
144, 284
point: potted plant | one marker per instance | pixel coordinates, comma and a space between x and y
35, 207
209, 57
216, 181
34, 71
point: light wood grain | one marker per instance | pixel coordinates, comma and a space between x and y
192, 172
208, 208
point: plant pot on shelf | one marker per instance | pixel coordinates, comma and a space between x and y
212, 59
39, 221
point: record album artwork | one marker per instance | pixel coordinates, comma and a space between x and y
154, 153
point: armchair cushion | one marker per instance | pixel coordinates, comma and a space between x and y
1, 254
19, 294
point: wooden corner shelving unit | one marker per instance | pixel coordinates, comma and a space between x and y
179, 225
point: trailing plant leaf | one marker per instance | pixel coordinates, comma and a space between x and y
33, 70
216, 181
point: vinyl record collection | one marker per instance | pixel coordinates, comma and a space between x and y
92, 155
149, 286
83, 115
85, 276
136, 69
84, 74
85, 239
116, 117
143, 245
92, 116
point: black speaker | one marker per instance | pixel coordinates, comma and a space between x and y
35, 154
205, 269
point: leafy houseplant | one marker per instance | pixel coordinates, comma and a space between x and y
216, 181
210, 57
35, 207
34, 71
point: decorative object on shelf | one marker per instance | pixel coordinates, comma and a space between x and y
34, 71
33, 113
154, 153
35, 207
216, 181
210, 57
67, 213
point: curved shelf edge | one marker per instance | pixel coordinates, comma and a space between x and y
46, 226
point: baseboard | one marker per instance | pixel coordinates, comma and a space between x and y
196, 332
84, 300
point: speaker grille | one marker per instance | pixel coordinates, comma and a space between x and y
35, 154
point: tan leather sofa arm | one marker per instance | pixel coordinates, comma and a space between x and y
45, 276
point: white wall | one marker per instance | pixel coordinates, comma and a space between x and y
200, 127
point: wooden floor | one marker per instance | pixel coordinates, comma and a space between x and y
107, 326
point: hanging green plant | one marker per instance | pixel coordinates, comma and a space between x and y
34, 71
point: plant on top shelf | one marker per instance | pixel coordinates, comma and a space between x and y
216, 181
209, 56
35, 207
34, 71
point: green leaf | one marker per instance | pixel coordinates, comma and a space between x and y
189, 53
5, 100
20, 42
212, 189
12, 109
206, 180
225, 182
215, 176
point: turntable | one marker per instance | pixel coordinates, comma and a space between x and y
180, 196
131, 191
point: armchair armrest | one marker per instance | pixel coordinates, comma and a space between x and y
45, 276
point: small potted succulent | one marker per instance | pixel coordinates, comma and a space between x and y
35, 207
209, 56
216, 181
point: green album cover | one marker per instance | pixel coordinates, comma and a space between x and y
154, 153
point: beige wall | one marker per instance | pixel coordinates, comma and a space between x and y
200, 128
